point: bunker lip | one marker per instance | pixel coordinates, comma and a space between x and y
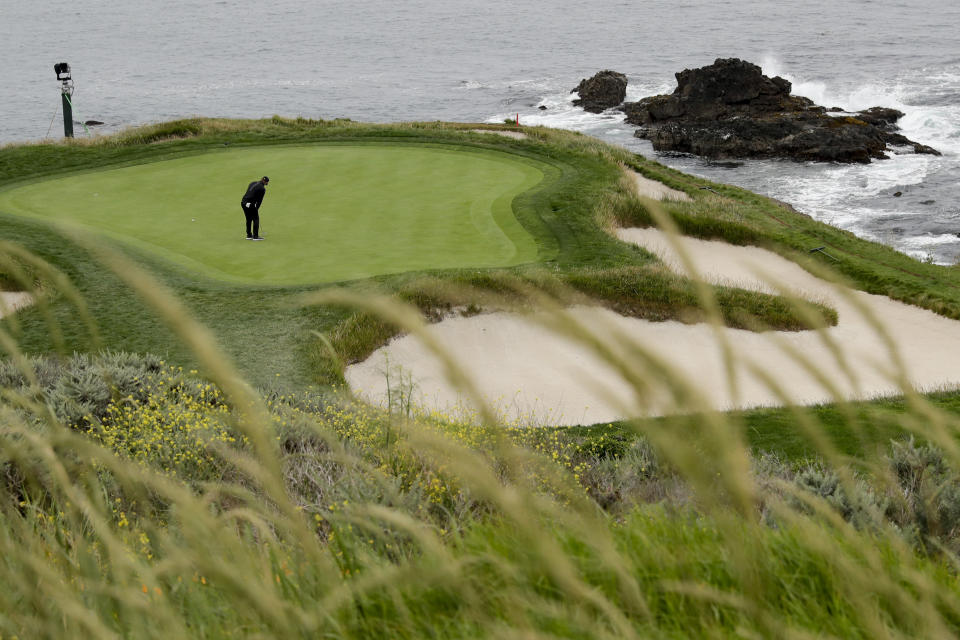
656, 190
360, 209
508, 353
12, 301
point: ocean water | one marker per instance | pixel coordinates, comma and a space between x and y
140, 61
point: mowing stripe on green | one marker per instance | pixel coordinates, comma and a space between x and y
332, 212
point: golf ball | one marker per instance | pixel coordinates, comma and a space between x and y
193, 219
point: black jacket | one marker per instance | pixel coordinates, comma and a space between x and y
254, 194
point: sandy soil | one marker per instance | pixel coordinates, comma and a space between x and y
10, 301
657, 190
516, 135
530, 373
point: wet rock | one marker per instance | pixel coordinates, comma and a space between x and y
726, 89
922, 148
798, 138
880, 116
731, 110
603, 91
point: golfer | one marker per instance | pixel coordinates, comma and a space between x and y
251, 206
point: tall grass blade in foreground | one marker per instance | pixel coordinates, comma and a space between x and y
139, 500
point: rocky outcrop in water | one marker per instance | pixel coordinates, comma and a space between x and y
603, 91
731, 110
880, 116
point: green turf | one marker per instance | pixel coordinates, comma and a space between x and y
331, 213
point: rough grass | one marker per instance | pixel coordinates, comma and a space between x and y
654, 294
385, 527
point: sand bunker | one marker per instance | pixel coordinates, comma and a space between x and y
532, 374
516, 135
10, 301
657, 190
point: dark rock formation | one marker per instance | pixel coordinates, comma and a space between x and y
603, 91
731, 110
800, 136
880, 116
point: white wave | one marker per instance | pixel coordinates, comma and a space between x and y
558, 101
934, 125
824, 187
926, 247
883, 175
560, 113
852, 99
638, 90
931, 240
937, 126
575, 119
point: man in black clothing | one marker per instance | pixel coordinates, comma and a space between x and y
251, 206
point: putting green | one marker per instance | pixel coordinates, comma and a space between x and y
332, 212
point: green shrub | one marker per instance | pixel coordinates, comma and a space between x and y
926, 502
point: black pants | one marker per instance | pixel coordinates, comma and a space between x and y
253, 217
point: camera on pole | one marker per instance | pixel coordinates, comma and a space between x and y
66, 90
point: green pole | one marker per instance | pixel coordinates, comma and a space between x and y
67, 116
62, 69
66, 97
